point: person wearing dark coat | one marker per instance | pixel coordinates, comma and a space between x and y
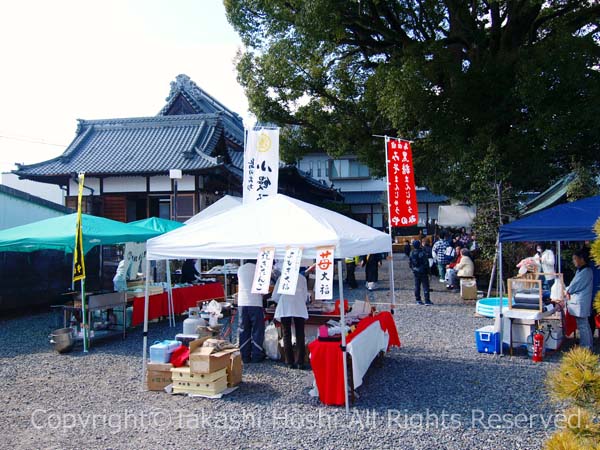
371, 263
188, 271
419, 264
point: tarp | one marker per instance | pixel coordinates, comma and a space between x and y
279, 222
58, 233
220, 206
567, 222
455, 216
158, 224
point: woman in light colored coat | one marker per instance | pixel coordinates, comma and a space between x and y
579, 298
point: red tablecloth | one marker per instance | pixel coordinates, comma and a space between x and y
326, 358
183, 299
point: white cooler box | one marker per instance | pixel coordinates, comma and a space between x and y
160, 352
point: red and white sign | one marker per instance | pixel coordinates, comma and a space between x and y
402, 196
324, 274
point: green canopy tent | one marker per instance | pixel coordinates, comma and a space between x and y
158, 224
58, 233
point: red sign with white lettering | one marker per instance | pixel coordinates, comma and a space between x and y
402, 197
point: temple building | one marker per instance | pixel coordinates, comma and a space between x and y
127, 161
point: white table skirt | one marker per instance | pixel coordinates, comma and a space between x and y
364, 348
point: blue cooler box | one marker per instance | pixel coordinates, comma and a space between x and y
487, 340
160, 352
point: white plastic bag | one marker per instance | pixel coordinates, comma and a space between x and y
271, 343
557, 290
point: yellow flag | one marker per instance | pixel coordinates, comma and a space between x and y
78, 258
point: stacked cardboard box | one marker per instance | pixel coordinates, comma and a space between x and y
210, 371
158, 376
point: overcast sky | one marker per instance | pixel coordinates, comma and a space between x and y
95, 59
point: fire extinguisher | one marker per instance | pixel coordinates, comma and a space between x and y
538, 346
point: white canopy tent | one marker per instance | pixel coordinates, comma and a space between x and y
455, 216
278, 222
220, 206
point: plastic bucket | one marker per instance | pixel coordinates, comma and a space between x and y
62, 340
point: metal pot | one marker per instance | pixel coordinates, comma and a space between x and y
62, 340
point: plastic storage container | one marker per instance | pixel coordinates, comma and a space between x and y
160, 352
488, 341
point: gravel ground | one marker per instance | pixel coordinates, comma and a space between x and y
436, 392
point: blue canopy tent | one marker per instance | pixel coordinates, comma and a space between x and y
567, 222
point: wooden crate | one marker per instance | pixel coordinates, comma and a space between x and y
532, 284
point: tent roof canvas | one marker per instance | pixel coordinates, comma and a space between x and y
220, 206
58, 233
157, 224
279, 222
567, 222
455, 216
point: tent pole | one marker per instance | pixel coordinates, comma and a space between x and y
501, 296
169, 296
84, 314
146, 304
387, 179
559, 266
343, 324
489, 291
225, 279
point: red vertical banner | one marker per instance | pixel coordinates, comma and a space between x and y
402, 196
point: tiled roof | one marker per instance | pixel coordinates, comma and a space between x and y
374, 197
203, 103
424, 196
363, 197
137, 145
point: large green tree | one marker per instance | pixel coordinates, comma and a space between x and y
511, 83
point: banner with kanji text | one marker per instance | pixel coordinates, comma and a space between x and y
261, 164
78, 255
402, 198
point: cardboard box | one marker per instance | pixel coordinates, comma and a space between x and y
197, 387
160, 367
235, 369
158, 376
185, 374
206, 359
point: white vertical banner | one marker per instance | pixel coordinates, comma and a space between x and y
262, 274
135, 259
261, 164
324, 274
289, 271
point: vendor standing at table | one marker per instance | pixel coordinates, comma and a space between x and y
188, 271
579, 298
292, 307
120, 280
252, 316
371, 263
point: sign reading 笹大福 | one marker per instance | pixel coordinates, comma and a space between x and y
289, 271
262, 274
261, 164
402, 198
324, 274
